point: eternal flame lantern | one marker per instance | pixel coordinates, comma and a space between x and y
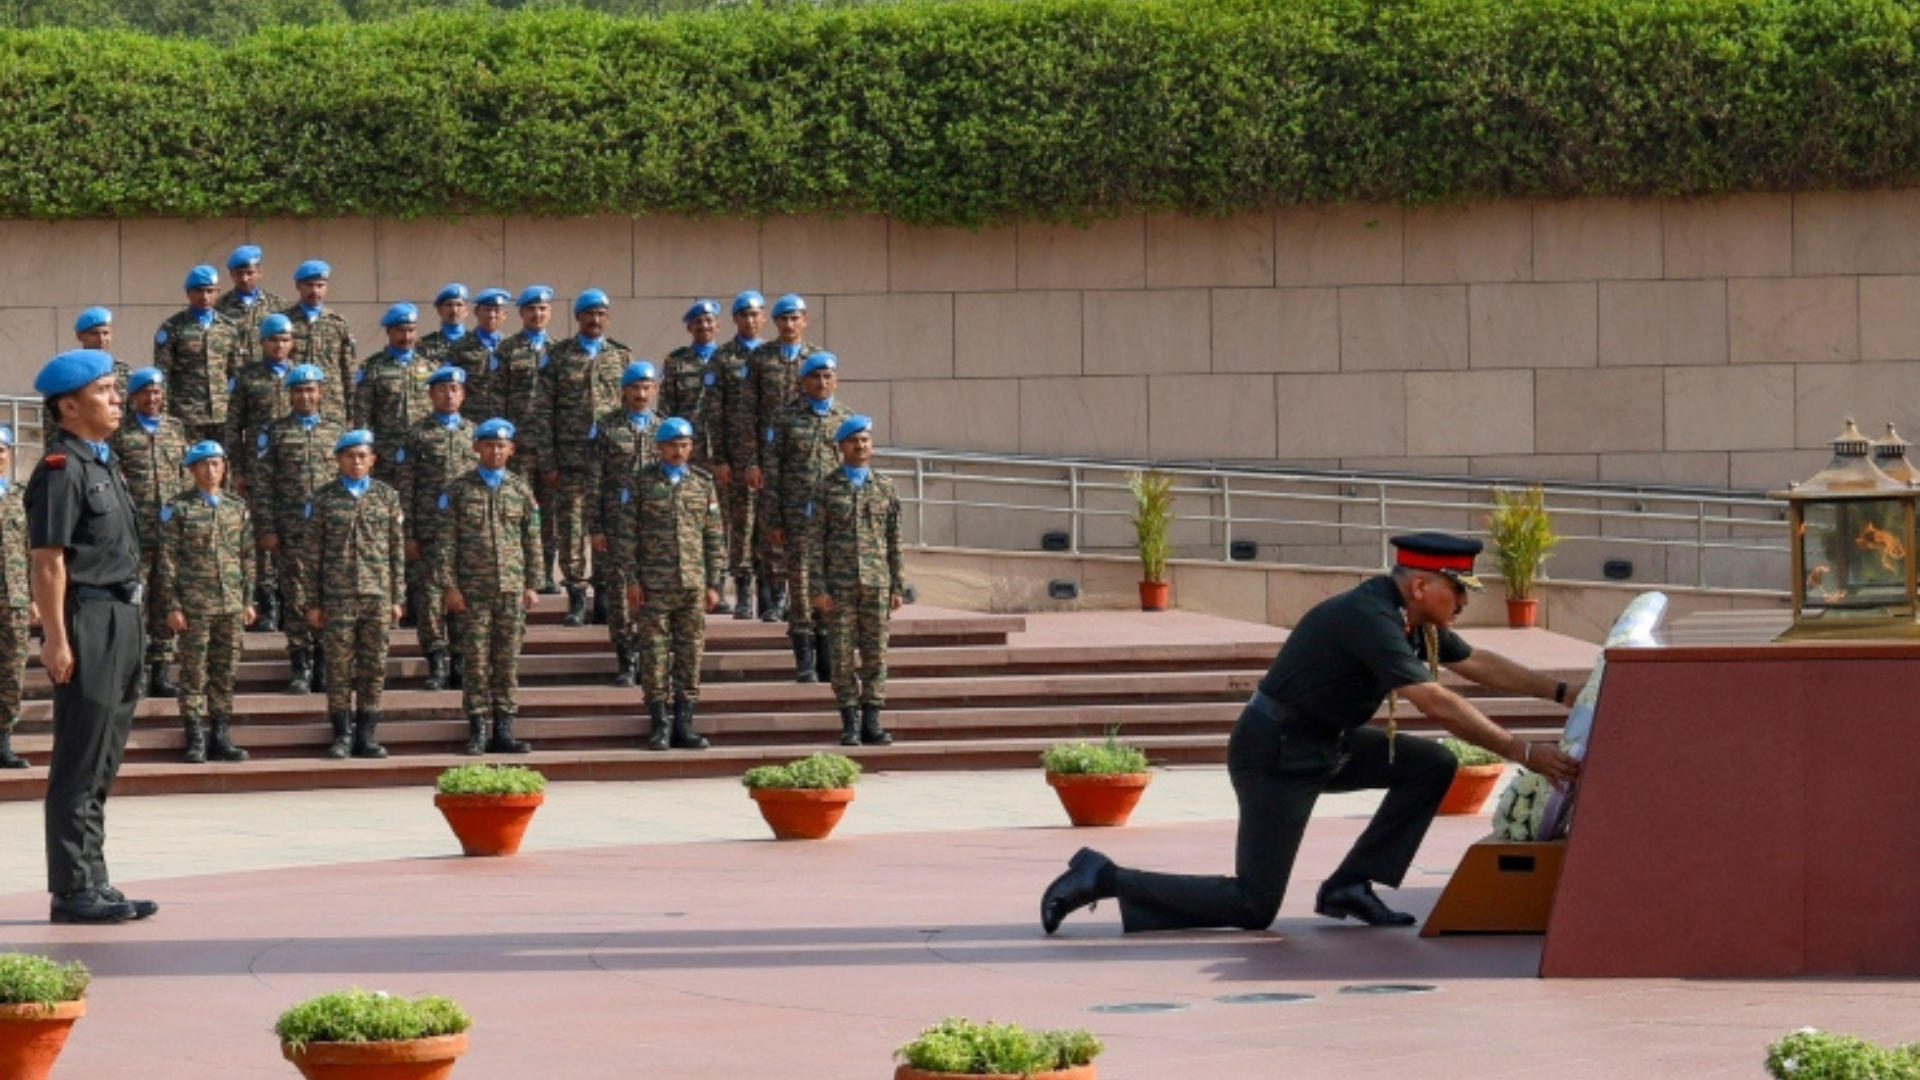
1852, 526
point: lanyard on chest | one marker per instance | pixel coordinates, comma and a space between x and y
1430, 644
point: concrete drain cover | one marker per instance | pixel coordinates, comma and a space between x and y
1139, 1007
1270, 997
1388, 988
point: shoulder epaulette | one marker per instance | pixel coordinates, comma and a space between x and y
55, 461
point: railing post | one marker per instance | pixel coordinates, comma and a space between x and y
1073, 504
1226, 516
920, 497
1380, 502
1700, 544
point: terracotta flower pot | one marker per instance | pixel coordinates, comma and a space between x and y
32, 1037
1470, 788
1099, 798
1522, 614
1154, 594
802, 813
406, 1059
488, 824
1077, 1072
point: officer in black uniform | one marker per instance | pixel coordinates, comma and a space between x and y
1305, 731
86, 552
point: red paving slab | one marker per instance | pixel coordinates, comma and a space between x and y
814, 960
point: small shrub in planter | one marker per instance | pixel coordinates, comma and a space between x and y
1811, 1054
963, 1047
1468, 754
1106, 758
482, 779
1474, 781
354, 1033
818, 772
39, 1001
804, 799
36, 980
489, 806
1099, 784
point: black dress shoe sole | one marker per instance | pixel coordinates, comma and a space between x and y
1354, 912
1054, 903
106, 913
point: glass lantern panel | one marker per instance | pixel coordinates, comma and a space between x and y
1855, 555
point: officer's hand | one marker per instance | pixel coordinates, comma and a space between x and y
315, 619
636, 596
599, 542
893, 601
713, 599
413, 549
177, 621
753, 477
399, 612
550, 477
249, 615
456, 600
1549, 761
823, 604
531, 598
723, 474
269, 541
58, 660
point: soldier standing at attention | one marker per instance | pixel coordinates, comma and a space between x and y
623, 444
260, 398
773, 377
296, 460
392, 390
205, 587
580, 381
86, 562
436, 348
494, 523
855, 577
17, 611
152, 450
199, 350
726, 410
323, 338
247, 304
684, 380
478, 354
674, 568
802, 450
354, 560
94, 330
522, 357
439, 449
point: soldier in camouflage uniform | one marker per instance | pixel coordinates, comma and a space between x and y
478, 354
17, 611
259, 398
581, 380
355, 564
297, 458
854, 577
494, 521
684, 378
623, 444
521, 358
151, 448
802, 451
94, 329
439, 448
323, 338
199, 350
436, 348
205, 586
725, 408
772, 381
247, 304
674, 565
391, 395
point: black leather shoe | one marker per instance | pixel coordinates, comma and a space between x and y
142, 909
1078, 888
1356, 901
88, 906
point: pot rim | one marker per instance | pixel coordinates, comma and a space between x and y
59, 1010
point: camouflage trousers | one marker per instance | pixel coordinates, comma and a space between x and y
769, 558
736, 507
14, 644
801, 618
490, 632
673, 636
623, 620
521, 464
159, 638
857, 634
430, 601
565, 510
293, 600
209, 657
355, 641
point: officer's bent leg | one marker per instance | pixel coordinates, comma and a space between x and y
1416, 780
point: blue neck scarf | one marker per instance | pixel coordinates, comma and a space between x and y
489, 338
747, 343
820, 406
312, 313
356, 488
151, 423
674, 473
248, 298
641, 420
211, 498
448, 420
405, 357
704, 352
204, 318
789, 351
590, 344
5, 486
279, 369
855, 476
101, 452
491, 477
538, 338
453, 331
309, 422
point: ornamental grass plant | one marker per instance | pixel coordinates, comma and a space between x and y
819, 771
966, 1047
1521, 532
27, 979
361, 1016
1152, 519
483, 779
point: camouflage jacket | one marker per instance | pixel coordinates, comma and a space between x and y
621, 449
326, 343
295, 460
16, 587
496, 535
153, 466
852, 536
728, 408
437, 348
675, 540
513, 386
389, 397
259, 398
249, 316
434, 455
773, 378
482, 365
353, 547
800, 451
198, 361
572, 389
206, 555
684, 379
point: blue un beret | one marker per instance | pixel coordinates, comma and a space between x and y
202, 277
534, 294
311, 269
455, 291
145, 377
92, 317
357, 437
448, 374
201, 451
592, 298
747, 300
853, 425
400, 314
491, 297
6, 435
790, 304
71, 370
815, 361
244, 255
275, 324
699, 308
495, 428
672, 428
303, 374
637, 371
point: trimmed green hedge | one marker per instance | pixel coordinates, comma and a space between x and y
966, 112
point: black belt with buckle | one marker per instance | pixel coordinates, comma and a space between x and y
131, 592
1263, 705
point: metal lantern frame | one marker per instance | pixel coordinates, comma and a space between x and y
1864, 502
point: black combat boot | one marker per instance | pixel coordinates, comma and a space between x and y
822, 657
342, 735
436, 670
503, 741
629, 666
476, 735
158, 685
300, 671
871, 733
849, 725
364, 727
684, 737
453, 671
196, 753
803, 660
662, 732
220, 740
320, 671
9, 759
549, 586
266, 609
599, 605
743, 598
776, 609
576, 607
409, 613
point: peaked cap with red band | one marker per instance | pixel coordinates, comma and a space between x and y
1449, 556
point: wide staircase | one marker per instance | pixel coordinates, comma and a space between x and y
965, 691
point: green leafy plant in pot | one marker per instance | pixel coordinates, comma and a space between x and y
804, 799
1099, 784
40, 999
1521, 532
355, 1033
1476, 774
1152, 519
960, 1047
489, 806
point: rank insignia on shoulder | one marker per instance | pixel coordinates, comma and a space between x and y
55, 461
